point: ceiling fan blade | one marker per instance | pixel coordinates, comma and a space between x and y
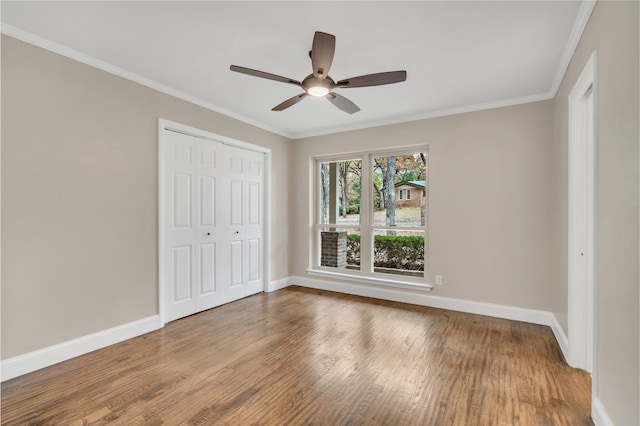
324, 47
289, 102
343, 103
374, 79
263, 74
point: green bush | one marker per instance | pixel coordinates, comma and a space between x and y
390, 251
399, 252
353, 249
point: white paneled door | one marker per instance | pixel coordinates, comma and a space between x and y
212, 214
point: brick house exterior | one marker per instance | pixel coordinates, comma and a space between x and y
410, 193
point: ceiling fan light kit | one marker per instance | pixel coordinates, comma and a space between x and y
319, 83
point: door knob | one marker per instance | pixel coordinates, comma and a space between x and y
208, 233
237, 232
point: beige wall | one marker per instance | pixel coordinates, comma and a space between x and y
613, 32
80, 194
489, 191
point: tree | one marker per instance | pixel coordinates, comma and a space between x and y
324, 197
407, 176
379, 171
343, 171
390, 176
423, 206
378, 196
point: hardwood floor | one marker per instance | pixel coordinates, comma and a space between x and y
307, 357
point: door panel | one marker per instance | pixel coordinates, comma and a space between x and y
236, 263
235, 202
254, 259
181, 200
181, 273
207, 268
254, 203
235, 163
207, 201
183, 153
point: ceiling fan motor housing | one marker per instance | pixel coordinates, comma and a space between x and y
311, 82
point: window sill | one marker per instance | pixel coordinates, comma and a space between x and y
383, 282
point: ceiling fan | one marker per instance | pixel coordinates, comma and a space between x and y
319, 83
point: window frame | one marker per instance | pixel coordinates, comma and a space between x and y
408, 197
366, 274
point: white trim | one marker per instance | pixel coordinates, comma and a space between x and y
164, 124
561, 337
266, 223
205, 134
576, 33
366, 226
581, 273
574, 38
365, 279
120, 72
41, 358
161, 219
422, 299
599, 414
278, 284
426, 115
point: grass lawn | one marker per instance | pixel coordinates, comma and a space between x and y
404, 216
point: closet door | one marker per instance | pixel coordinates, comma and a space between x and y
245, 224
210, 219
211, 251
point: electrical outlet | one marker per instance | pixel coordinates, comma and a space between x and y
438, 279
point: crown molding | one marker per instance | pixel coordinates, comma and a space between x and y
580, 23
120, 72
432, 114
574, 38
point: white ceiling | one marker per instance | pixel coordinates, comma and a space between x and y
459, 56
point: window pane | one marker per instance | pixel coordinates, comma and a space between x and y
340, 192
398, 252
399, 189
340, 248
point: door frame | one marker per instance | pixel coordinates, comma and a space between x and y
167, 125
582, 306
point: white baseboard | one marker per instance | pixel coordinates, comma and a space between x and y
277, 285
399, 295
599, 414
561, 337
32, 361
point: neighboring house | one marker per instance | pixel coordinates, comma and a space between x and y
410, 193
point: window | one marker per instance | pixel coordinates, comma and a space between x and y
359, 229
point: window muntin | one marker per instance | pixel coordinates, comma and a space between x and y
378, 236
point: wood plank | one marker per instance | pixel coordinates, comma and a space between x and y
304, 356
